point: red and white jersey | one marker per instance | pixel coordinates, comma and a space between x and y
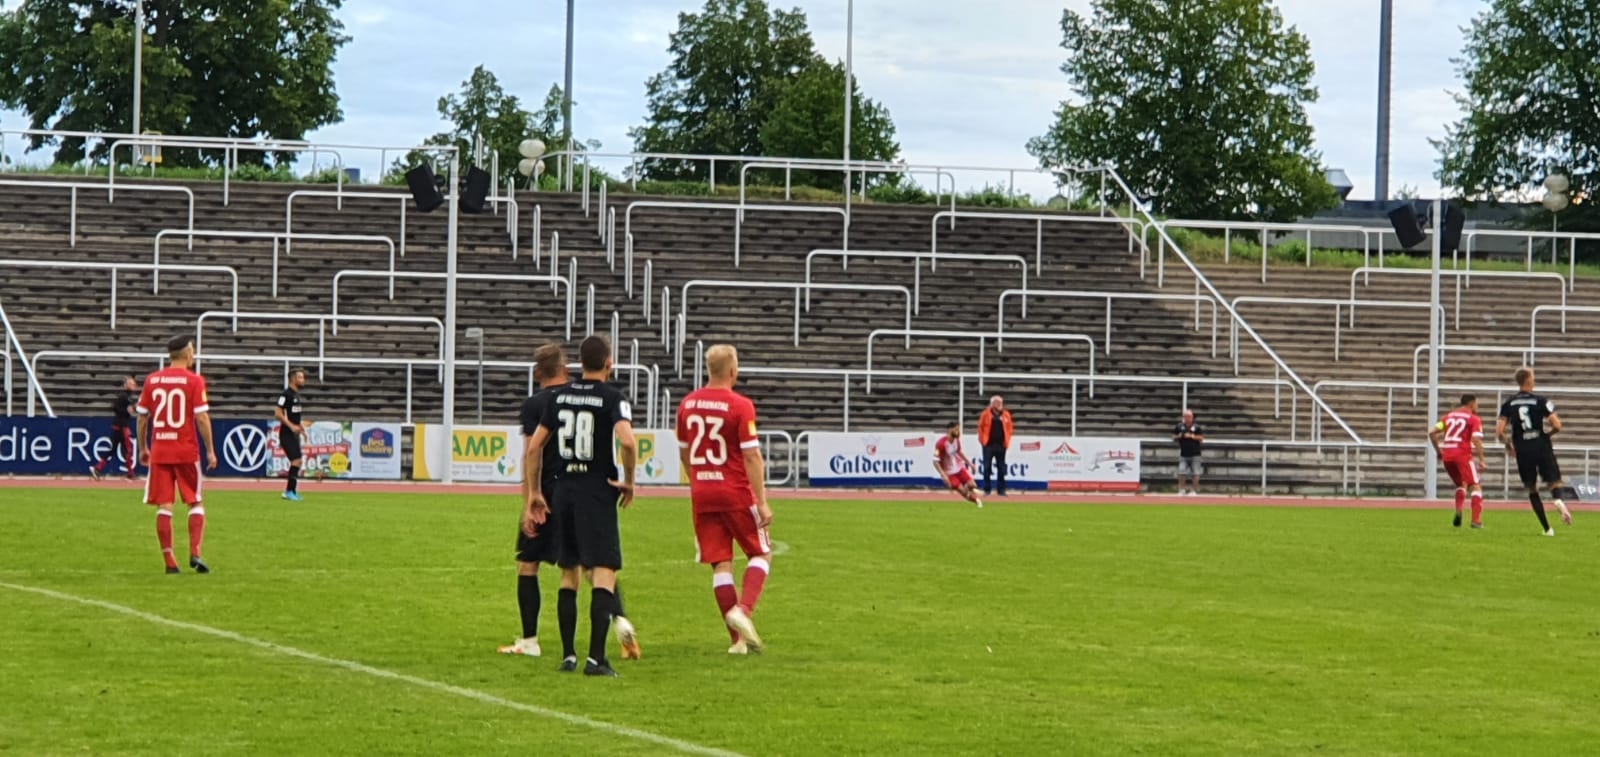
170, 399
716, 426
1460, 426
947, 452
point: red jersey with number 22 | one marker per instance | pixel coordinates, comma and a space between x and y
170, 400
1460, 427
716, 426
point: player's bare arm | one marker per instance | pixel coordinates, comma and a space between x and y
1501, 436
755, 467
283, 420
203, 423
627, 460
1555, 424
142, 437
1434, 435
938, 465
535, 509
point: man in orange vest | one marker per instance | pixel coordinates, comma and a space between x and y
994, 435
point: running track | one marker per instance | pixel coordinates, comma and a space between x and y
781, 494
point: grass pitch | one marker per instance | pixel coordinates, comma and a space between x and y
894, 628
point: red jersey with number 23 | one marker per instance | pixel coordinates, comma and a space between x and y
716, 426
170, 399
1460, 427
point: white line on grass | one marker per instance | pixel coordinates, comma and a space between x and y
473, 694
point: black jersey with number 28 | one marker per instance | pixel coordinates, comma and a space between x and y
582, 416
1525, 414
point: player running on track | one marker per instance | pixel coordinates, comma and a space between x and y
172, 406
1521, 427
1458, 438
954, 467
718, 445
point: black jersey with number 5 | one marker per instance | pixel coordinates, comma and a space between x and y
1525, 414
582, 419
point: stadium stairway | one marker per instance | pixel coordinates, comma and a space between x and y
69, 310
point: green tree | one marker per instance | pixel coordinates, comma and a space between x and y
1199, 104
484, 111
1530, 103
807, 121
729, 63
235, 68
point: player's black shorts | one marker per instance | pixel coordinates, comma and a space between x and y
289, 442
545, 545
586, 518
1538, 462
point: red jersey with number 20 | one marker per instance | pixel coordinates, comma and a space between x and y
716, 426
170, 400
1460, 426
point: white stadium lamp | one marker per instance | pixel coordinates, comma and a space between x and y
526, 166
1555, 203
1557, 183
531, 148
538, 168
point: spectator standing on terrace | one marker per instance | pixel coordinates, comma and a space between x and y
1189, 436
994, 435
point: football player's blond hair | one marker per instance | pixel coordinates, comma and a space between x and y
721, 359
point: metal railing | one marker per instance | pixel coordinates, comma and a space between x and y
1197, 299
276, 237
320, 320
983, 338
916, 258
738, 221
798, 287
14, 344
428, 275
1267, 230
1526, 354
71, 265
292, 362
1338, 321
1469, 241
230, 153
1460, 277
74, 186
1533, 320
1499, 391
1039, 219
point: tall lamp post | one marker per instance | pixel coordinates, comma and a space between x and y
138, 64
1385, 58
849, 103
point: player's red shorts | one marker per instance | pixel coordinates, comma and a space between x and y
961, 479
1464, 472
167, 479
716, 532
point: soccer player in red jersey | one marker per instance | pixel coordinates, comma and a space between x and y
954, 467
1458, 438
172, 406
718, 445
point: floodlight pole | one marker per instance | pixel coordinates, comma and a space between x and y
448, 424
1430, 479
1385, 77
566, 101
138, 65
849, 104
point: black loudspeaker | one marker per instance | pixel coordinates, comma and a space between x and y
1407, 226
475, 190
423, 191
1454, 221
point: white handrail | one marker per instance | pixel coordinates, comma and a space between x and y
1461, 276
916, 257
1533, 320
155, 283
739, 209
1038, 218
1500, 390
1528, 353
288, 361
115, 267
982, 337
15, 343
1338, 321
512, 213
1265, 228
229, 157
1197, 299
393, 275
798, 287
321, 320
1143, 208
1469, 241
72, 221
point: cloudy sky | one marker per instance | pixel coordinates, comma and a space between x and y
966, 83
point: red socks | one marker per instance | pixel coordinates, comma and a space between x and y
1461, 499
755, 578
727, 597
197, 530
1477, 507
164, 534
